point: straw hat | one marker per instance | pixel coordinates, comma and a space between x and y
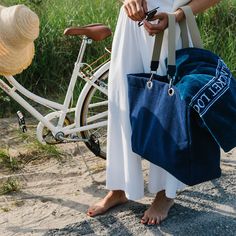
19, 27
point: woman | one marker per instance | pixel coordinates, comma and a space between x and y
131, 53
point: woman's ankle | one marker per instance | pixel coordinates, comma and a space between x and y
116, 193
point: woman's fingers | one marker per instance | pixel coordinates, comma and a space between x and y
158, 26
138, 11
160, 16
134, 9
151, 28
129, 12
145, 8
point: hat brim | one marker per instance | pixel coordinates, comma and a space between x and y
13, 62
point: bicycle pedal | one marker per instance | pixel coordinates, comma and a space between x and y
94, 145
21, 121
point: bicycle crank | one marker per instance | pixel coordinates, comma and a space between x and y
94, 145
93, 141
60, 137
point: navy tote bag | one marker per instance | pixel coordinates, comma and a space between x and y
166, 112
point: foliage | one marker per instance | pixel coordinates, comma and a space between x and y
6, 161
37, 152
218, 31
55, 53
33, 153
51, 69
11, 185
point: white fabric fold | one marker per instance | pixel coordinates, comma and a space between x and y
131, 53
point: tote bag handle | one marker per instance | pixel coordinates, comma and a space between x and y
190, 21
194, 34
158, 44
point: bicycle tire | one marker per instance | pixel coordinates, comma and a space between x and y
92, 94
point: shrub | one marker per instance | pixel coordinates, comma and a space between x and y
56, 53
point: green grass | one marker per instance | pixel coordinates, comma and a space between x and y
218, 31
31, 152
37, 152
10, 186
55, 53
6, 161
40, 151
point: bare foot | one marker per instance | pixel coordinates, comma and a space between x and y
113, 198
159, 209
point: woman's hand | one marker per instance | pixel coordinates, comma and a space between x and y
136, 9
157, 27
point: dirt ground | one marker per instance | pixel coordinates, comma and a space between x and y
54, 195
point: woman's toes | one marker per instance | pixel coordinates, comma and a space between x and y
151, 221
112, 199
96, 210
144, 219
158, 220
90, 211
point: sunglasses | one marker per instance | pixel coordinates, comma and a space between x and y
149, 15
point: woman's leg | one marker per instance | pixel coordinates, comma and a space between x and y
124, 170
124, 173
166, 186
113, 198
158, 211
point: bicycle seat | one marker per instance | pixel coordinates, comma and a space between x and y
96, 32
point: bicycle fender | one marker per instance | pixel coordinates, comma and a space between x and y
85, 91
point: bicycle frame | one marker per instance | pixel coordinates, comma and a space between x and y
61, 109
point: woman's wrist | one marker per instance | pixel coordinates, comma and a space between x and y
179, 15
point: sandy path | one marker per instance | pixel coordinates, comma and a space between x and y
55, 196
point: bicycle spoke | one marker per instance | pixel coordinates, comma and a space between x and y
98, 104
97, 117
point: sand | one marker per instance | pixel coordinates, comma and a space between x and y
55, 194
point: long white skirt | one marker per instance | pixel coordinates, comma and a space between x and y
131, 53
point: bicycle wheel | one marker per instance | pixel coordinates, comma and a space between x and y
95, 103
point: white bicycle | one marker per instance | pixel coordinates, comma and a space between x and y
90, 113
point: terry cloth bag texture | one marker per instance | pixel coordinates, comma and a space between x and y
177, 120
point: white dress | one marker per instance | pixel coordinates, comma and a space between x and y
131, 53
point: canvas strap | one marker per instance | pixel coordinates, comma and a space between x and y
188, 23
193, 28
171, 64
171, 45
184, 34
156, 51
